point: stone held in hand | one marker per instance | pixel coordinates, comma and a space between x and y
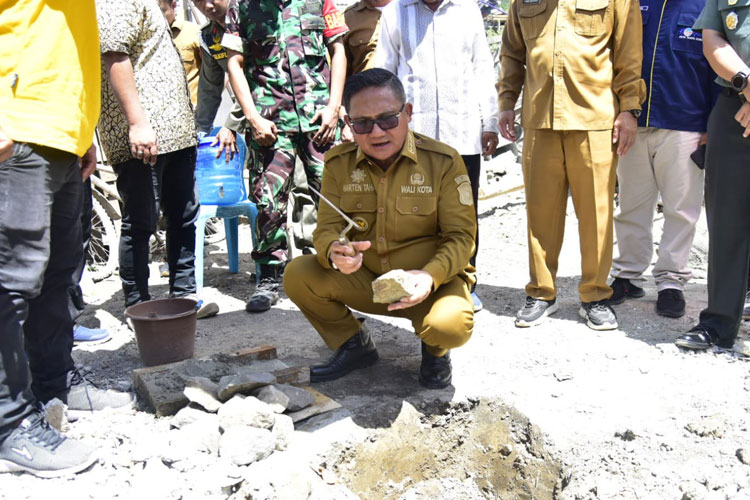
203, 392
243, 383
298, 398
277, 400
392, 287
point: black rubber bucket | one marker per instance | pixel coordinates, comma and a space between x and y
164, 330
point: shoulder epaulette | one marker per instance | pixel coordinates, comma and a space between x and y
346, 147
430, 144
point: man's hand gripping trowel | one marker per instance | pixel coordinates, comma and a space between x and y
357, 223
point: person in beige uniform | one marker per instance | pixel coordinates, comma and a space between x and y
580, 65
363, 20
186, 36
415, 197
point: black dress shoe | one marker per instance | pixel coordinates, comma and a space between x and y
623, 289
699, 338
670, 303
434, 372
357, 352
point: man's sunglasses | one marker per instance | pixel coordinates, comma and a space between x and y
387, 122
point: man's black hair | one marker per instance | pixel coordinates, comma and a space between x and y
376, 77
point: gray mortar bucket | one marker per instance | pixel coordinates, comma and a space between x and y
164, 329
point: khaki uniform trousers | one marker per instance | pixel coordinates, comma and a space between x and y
585, 162
445, 320
658, 162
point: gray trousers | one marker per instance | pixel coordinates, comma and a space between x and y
658, 162
728, 214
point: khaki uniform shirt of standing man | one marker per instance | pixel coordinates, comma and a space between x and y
363, 20
186, 36
579, 63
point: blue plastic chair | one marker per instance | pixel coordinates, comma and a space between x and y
229, 212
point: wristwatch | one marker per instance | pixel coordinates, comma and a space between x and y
739, 81
635, 112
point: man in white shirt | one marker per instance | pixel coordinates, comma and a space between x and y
439, 51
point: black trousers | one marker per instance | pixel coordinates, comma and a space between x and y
170, 186
77, 303
40, 247
727, 210
474, 167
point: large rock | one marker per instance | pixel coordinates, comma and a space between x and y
243, 383
188, 415
282, 431
202, 436
244, 445
271, 479
392, 286
245, 411
298, 398
204, 392
277, 400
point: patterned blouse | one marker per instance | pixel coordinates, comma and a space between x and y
138, 28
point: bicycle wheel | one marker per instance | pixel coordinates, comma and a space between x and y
102, 255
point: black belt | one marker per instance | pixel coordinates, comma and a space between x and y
730, 92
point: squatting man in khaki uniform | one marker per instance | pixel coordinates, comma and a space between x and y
579, 62
415, 198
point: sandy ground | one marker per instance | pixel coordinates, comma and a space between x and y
624, 413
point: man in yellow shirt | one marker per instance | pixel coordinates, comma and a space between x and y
579, 63
414, 196
49, 106
186, 36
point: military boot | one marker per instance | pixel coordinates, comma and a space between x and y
435, 372
267, 291
357, 352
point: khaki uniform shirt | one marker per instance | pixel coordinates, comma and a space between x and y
419, 212
186, 36
579, 62
362, 39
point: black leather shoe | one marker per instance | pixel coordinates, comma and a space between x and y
434, 372
699, 338
357, 352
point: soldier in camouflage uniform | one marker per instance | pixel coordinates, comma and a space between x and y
280, 75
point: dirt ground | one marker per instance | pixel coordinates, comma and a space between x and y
617, 415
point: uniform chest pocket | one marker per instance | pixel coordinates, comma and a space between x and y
591, 17
312, 35
532, 19
416, 216
264, 51
735, 18
685, 38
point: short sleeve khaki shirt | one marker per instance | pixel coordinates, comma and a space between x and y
419, 213
362, 39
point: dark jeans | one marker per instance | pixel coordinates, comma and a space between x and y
40, 247
727, 207
169, 185
77, 303
473, 168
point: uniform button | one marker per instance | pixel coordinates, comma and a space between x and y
359, 205
381, 239
383, 260
382, 180
381, 210
415, 209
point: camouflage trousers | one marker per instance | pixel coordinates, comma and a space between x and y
272, 179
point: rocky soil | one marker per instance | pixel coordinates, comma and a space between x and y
556, 411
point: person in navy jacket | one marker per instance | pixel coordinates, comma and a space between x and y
679, 96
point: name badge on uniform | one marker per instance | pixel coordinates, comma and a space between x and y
732, 20
526, 2
313, 7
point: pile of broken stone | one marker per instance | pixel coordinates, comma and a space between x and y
249, 410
